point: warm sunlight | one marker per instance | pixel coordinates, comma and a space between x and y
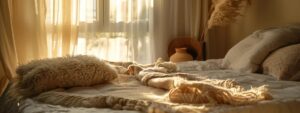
108, 31
117, 29
128, 10
55, 11
101, 44
87, 11
149, 56
116, 10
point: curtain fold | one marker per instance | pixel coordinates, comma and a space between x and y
58, 24
139, 30
44, 28
8, 55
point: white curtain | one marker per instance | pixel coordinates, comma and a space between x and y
8, 56
137, 30
44, 28
116, 30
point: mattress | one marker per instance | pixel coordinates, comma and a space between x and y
286, 94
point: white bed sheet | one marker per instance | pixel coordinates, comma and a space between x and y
286, 94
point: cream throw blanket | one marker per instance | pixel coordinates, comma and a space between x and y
186, 89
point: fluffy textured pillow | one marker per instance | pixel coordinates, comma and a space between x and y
284, 64
248, 55
64, 72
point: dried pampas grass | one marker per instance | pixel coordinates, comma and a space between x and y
226, 11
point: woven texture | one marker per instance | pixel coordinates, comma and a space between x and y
284, 63
43, 75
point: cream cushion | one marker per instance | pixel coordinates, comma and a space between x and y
64, 72
248, 55
284, 64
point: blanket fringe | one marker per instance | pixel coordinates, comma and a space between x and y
227, 92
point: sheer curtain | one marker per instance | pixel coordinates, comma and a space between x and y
177, 18
8, 56
116, 30
57, 26
137, 30
44, 28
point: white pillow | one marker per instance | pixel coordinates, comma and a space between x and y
248, 55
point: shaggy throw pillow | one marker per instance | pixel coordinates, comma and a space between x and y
248, 55
43, 75
284, 64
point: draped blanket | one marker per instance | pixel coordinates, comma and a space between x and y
186, 89
179, 88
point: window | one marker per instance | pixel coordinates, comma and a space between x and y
113, 29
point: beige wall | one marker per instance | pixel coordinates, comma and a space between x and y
262, 13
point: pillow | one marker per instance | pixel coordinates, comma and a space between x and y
284, 64
77, 71
248, 55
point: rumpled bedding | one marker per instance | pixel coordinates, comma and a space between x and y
286, 94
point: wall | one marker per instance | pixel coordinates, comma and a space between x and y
176, 18
261, 14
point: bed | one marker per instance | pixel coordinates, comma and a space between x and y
286, 94
245, 64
